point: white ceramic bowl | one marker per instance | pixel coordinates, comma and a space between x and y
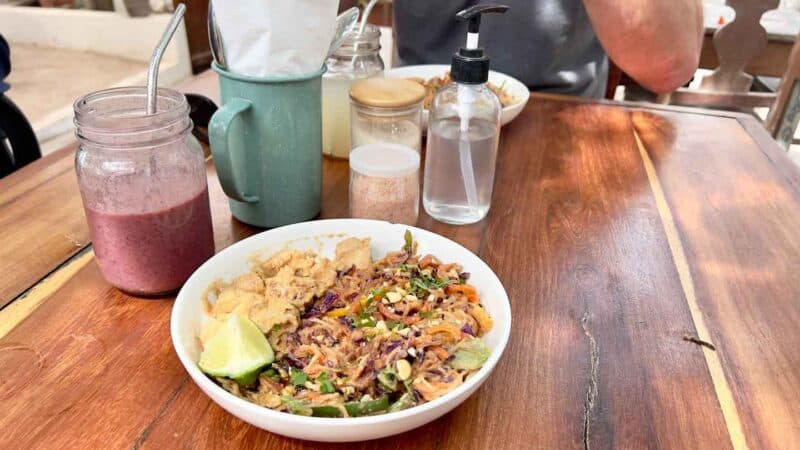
510, 84
322, 236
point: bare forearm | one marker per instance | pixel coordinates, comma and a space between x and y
657, 42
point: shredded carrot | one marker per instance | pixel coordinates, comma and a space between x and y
429, 261
432, 389
440, 352
390, 315
484, 321
446, 329
354, 308
305, 350
421, 341
469, 291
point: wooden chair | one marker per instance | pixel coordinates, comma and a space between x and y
784, 115
737, 43
18, 144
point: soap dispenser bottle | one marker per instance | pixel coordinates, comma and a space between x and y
463, 132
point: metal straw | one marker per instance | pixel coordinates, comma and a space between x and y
365, 16
158, 52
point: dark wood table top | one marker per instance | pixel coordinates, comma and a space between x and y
651, 255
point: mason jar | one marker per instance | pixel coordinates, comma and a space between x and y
356, 58
143, 183
386, 111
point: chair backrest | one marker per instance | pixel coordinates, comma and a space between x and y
785, 113
736, 43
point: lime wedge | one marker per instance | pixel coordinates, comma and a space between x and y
238, 350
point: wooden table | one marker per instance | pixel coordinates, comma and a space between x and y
652, 258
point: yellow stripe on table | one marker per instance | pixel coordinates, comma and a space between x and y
17, 311
723, 390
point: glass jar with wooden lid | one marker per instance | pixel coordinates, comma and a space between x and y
386, 110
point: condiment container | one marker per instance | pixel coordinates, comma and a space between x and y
356, 58
463, 133
384, 183
143, 183
386, 110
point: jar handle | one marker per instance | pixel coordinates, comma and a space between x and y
219, 133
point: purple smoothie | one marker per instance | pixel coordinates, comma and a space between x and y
152, 253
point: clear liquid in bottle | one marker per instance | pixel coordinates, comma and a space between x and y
445, 196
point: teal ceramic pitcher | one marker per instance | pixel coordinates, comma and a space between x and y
266, 142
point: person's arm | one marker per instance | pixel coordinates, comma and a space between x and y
656, 42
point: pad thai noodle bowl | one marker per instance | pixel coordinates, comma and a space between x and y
373, 328
355, 337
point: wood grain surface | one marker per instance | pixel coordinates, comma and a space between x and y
598, 356
739, 224
41, 222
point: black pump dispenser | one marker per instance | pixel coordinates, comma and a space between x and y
470, 65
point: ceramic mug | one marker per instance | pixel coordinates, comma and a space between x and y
266, 140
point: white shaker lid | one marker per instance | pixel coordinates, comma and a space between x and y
384, 160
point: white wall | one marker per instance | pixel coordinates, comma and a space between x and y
103, 32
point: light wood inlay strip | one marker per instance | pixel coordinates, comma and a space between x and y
17, 311
721, 386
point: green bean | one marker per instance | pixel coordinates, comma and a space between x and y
299, 407
363, 408
388, 379
404, 402
326, 411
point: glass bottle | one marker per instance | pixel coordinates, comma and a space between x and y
143, 183
356, 58
463, 133
461, 155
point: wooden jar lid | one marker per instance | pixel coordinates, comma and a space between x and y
387, 92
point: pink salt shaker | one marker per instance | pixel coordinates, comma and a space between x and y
143, 183
384, 183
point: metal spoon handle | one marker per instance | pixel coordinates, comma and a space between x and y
344, 22
158, 52
215, 38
